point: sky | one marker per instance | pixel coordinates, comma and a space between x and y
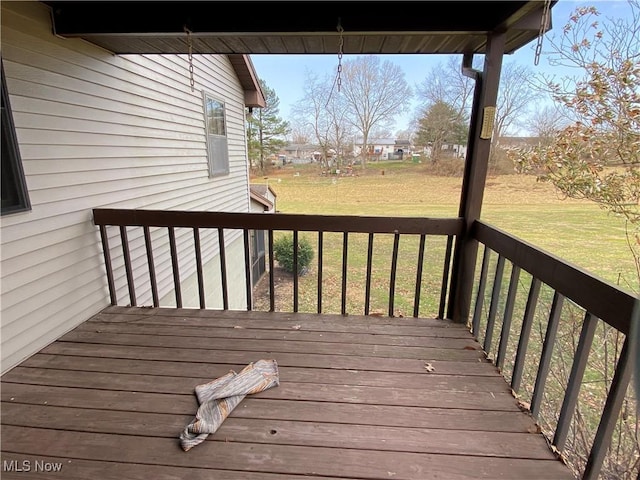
286, 74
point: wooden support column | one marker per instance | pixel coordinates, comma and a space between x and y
475, 174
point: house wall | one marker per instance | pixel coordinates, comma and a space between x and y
100, 130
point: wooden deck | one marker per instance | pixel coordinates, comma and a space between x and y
355, 401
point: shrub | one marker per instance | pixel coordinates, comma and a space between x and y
283, 253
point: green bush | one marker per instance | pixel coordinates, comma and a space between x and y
283, 253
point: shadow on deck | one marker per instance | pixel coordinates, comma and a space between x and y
355, 401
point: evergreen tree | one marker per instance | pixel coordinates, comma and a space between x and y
266, 130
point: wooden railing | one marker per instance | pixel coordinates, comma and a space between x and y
599, 301
226, 224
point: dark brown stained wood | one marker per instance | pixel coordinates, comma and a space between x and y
367, 288
196, 371
320, 250
247, 270
392, 276
432, 392
127, 265
345, 255
493, 306
508, 315
282, 345
272, 292
604, 300
355, 400
547, 352
419, 267
264, 408
84, 469
152, 267
209, 317
525, 333
444, 287
229, 357
175, 267
223, 270
283, 332
272, 458
323, 433
295, 270
107, 264
198, 253
482, 285
281, 323
278, 221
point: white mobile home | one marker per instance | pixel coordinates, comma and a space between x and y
85, 128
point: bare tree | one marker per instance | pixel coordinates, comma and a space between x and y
545, 122
324, 117
375, 93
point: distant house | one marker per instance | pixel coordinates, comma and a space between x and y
377, 148
263, 199
83, 128
300, 153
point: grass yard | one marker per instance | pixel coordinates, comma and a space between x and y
577, 231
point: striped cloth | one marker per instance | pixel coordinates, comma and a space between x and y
220, 396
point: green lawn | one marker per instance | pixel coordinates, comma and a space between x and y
577, 231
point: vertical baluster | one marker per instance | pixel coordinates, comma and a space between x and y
152, 267
525, 332
445, 276
272, 293
320, 241
127, 265
295, 271
416, 298
482, 284
547, 351
107, 265
345, 245
611, 411
508, 315
223, 270
176, 269
493, 307
575, 379
392, 278
367, 287
198, 251
247, 269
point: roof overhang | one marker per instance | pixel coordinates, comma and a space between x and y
304, 27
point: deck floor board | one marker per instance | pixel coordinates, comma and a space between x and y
109, 399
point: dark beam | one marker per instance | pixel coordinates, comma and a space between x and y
75, 18
475, 174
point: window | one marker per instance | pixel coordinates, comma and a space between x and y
217, 153
14, 189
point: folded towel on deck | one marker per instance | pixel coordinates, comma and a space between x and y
220, 396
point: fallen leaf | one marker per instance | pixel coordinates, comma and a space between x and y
238, 326
428, 367
470, 347
526, 406
296, 327
534, 429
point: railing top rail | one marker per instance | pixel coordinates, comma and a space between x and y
277, 221
599, 297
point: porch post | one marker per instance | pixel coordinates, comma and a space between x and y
475, 174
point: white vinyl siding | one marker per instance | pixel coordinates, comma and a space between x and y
101, 130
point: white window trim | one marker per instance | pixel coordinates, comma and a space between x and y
213, 171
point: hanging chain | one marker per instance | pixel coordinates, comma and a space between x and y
544, 23
190, 56
340, 47
338, 79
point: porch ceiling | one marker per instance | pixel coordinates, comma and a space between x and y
309, 27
